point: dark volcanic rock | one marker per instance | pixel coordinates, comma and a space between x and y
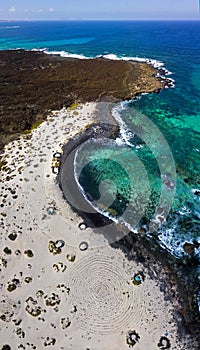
33, 83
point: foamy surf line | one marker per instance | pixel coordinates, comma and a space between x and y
111, 56
10, 27
155, 63
81, 189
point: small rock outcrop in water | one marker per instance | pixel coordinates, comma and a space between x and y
189, 248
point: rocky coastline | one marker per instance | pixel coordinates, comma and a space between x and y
178, 278
33, 83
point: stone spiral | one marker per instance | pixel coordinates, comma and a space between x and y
106, 300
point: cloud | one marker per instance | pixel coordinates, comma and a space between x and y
51, 10
12, 9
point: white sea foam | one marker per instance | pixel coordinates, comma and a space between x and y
125, 134
155, 63
110, 56
173, 239
169, 238
42, 50
196, 191
10, 27
66, 54
81, 189
198, 301
184, 211
119, 141
113, 56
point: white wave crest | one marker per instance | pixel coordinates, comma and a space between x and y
125, 134
154, 63
10, 27
66, 54
111, 56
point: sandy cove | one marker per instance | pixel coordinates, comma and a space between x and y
56, 291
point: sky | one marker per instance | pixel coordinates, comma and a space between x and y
100, 9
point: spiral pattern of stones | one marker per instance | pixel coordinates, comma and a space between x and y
104, 296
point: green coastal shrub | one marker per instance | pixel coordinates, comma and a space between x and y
33, 127
73, 106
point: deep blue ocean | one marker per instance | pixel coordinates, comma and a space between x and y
175, 112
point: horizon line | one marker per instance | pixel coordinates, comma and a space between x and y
100, 19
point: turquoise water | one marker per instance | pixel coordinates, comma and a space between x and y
175, 112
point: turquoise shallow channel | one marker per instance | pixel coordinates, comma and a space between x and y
176, 113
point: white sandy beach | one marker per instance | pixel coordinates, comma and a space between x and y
61, 296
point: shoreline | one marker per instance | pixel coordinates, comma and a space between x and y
51, 252
182, 271
27, 177
34, 83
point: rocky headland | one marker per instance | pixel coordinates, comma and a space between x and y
33, 83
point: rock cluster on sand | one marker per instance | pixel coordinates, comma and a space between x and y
62, 284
